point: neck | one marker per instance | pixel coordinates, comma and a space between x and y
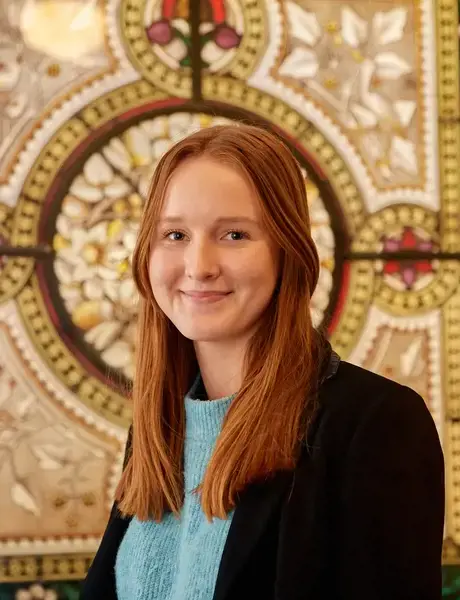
221, 367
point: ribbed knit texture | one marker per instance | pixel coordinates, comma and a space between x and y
179, 559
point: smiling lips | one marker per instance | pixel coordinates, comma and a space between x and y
204, 297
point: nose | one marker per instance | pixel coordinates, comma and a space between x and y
201, 261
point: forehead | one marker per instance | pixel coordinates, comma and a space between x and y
203, 187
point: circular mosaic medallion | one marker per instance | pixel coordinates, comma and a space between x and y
407, 285
84, 197
96, 231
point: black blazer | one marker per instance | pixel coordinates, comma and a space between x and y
360, 518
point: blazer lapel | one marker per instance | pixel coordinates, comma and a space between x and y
253, 511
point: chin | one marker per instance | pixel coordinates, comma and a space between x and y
204, 334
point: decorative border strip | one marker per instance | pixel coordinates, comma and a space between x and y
54, 567
447, 19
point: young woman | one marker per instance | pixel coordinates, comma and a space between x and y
259, 465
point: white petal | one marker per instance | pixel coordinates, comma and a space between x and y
403, 155
324, 239
364, 116
116, 255
354, 29
63, 226
78, 238
371, 100
180, 125
211, 53
138, 145
129, 371
98, 233
74, 208
45, 461
103, 334
106, 273
118, 355
127, 292
182, 25
97, 171
63, 271
390, 66
405, 110
118, 188
388, 27
386, 173
303, 24
71, 293
177, 49
129, 240
300, 64
116, 153
206, 28
373, 146
155, 128
316, 314
71, 256
82, 272
92, 289
159, 147
106, 310
320, 299
111, 289
83, 190
22, 497
180, 119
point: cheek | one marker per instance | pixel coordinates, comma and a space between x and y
161, 270
258, 271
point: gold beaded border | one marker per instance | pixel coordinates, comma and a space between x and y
5, 220
96, 395
72, 567
447, 21
252, 45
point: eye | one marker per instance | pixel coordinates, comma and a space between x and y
173, 235
237, 235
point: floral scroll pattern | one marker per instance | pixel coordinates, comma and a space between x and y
35, 448
361, 68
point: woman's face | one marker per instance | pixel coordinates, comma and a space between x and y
213, 268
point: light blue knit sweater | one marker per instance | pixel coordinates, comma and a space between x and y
178, 559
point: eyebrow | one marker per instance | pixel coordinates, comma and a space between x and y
220, 220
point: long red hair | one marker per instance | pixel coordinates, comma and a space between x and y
268, 419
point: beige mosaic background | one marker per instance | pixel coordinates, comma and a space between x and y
92, 92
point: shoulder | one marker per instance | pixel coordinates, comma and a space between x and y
352, 388
358, 404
